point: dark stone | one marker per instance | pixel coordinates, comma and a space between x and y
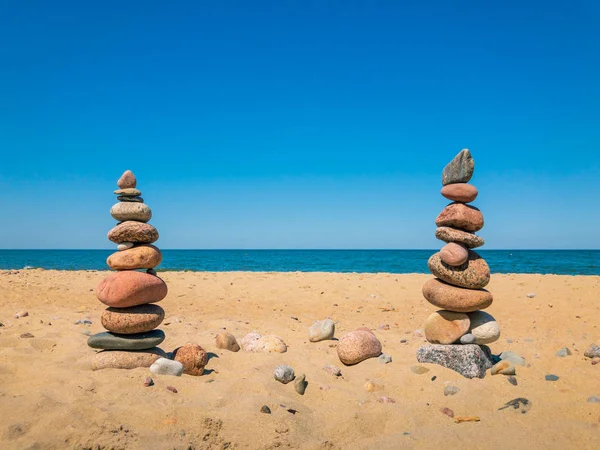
460, 169
551, 377
520, 404
139, 341
469, 360
122, 198
512, 380
265, 409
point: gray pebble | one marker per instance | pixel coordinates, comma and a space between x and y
384, 359
531, 295
451, 390
563, 352
164, 366
467, 339
512, 380
593, 399
551, 377
512, 357
333, 370
300, 384
265, 409
284, 374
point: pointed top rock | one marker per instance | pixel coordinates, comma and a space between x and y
460, 169
127, 180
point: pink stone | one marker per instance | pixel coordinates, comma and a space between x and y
454, 254
127, 180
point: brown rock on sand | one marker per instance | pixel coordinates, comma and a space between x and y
130, 288
454, 254
132, 231
119, 359
127, 180
357, 346
460, 192
452, 298
139, 257
446, 327
461, 216
227, 341
136, 319
473, 274
193, 357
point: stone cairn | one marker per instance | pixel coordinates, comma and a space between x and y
131, 317
459, 330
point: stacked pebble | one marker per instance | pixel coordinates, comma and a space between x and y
461, 273
131, 318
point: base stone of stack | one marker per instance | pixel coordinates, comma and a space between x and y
471, 361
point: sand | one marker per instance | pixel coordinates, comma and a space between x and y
49, 397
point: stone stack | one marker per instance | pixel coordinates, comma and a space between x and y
459, 329
131, 317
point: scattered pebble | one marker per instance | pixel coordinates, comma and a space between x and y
321, 330
451, 390
593, 399
504, 368
433, 378
373, 387
172, 389
284, 374
384, 326
333, 370
83, 322
324, 387
86, 332
27, 335
531, 295
384, 359
595, 361
419, 333
294, 318
563, 352
164, 366
462, 419
512, 380
520, 404
21, 314
403, 341
447, 411
513, 357
551, 377
593, 351
384, 399
300, 384
265, 409
148, 382
419, 370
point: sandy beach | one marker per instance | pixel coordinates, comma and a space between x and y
49, 397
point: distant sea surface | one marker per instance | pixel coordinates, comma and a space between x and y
562, 262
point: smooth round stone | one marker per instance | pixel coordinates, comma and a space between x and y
467, 339
452, 298
124, 246
446, 327
132, 231
469, 240
118, 359
357, 346
123, 211
140, 257
473, 274
122, 198
321, 330
193, 357
227, 341
127, 180
130, 288
484, 327
164, 366
454, 254
460, 192
461, 216
140, 341
128, 192
460, 169
284, 374
137, 319
256, 343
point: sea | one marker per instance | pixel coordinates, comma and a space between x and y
561, 262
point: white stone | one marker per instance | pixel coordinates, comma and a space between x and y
321, 330
484, 327
164, 366
124, 246
284, 374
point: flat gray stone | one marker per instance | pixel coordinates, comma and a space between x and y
551, 377
513, 357
384, 359
563, 352
284, 374
122, 198
138, 341
451, 390
460, 169
471, 361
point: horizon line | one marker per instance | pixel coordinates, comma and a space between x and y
303, 249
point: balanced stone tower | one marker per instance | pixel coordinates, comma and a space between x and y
131, 318
459, 330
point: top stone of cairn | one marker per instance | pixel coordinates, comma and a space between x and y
460, 169
127, 180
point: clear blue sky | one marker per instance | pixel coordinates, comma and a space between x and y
299, 124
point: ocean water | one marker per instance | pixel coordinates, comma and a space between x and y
563, 262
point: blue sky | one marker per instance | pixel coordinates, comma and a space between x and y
299, 124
